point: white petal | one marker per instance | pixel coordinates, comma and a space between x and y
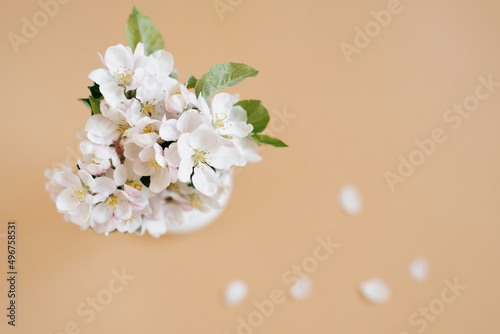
172, 155
205, 180
235, 292
101, 130
204, 138
66, 201
113, 93
104, 185
189, 121
101, 76
102, 213
168, 130
375, 290
120, 175
143, 168
160, 180
185, 169
224, 157
118, 57
419, 269
301, 289
66, 179
350, 199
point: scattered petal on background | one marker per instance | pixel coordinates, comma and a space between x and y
375, 290
235, 292
419, 269
350, 199
301, 289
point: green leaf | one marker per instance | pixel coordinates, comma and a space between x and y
87, 103
222, 75
174, 74
95, 105
263, 139
190, 82
140, 28
257, 114
95, 92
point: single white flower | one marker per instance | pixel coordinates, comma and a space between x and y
200, 152
249, 151
81, 192
130, 225
156, 68
155, 223
227, 119
95, 165
118, 77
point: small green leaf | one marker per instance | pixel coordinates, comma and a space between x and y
95, 105
263, 139
140, 28
87, 103
222, 75
257, 114
95, 92
190, 82
174, 74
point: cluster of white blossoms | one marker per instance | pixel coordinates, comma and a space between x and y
153, 146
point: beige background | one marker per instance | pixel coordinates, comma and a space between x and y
350, 123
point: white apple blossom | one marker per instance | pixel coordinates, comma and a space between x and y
119, 76
81, 191
201, 151
227, 119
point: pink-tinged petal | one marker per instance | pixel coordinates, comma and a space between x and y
174, 174
106, 227
66, 179
104, 185
185, 169
172, 155
159, 157
120, 175
168, 130
101, 76
160, 180
224, 157
143, 168
189, 121
66, 200
205, 180
175, 103
102, 213
204, 138
119, 57
113, 93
